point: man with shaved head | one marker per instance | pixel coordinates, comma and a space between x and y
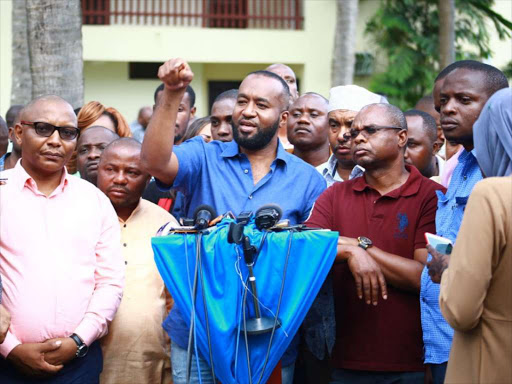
128, 357
60, 261
382, 218
91, 144
307, 128
240, 175
287, 74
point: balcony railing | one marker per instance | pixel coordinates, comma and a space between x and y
263, 14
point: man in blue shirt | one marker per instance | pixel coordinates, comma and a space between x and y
236, 176
467, 86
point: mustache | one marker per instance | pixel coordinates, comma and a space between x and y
117, 188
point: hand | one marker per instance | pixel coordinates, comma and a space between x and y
65, 353
29, 359
367, 274
5, 322
175, 74
342, 240
437, 264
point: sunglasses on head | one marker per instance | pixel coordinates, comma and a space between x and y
47, 129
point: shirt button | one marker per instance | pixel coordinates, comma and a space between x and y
250, 197
125, 263
465, 177
124, 226
124, 244
246, 171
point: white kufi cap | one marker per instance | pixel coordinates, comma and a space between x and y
352, 98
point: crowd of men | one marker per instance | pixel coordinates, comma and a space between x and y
81, 299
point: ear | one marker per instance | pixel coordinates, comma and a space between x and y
283, 119
436, 147
193, 112
18, 134
402, 138
11, 134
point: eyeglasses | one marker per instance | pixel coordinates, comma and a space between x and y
369, 130
47, 129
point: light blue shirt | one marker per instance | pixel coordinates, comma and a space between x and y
437, 334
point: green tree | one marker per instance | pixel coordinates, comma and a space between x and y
407, 31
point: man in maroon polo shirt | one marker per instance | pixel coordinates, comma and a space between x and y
382, 218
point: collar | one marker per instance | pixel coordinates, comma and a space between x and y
330, 166
231, 149
21, 179
409, 188
134, 213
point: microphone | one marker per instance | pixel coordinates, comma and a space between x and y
203, 215
267, 216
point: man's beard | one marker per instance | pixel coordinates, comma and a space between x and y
260, 140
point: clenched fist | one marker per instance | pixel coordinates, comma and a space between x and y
175, 74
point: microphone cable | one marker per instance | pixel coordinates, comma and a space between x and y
192, 325
278, 306
198, 250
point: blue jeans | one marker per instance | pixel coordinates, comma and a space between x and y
85, 370
348, 376
179, 368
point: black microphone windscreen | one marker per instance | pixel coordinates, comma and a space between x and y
271, 206
267, 216
205, 207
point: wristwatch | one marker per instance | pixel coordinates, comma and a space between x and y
82, 348
364, 242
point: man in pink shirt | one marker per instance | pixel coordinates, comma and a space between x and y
60, 256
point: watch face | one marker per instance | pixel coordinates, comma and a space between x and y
365, 242
82, 350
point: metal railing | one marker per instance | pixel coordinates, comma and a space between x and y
262, 14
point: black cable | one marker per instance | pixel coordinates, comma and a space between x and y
192, 322
198, 250
278, 307
244, 302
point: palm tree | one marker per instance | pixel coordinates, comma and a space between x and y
446, 32
343, 61
21, 91
54, 45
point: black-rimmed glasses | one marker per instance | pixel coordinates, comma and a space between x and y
47, 129
370, 130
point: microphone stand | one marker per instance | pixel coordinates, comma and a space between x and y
258, 324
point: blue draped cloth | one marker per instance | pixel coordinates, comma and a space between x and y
311, 256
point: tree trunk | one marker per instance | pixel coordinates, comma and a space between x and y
21, 91
344, 59
446, 32
55, 49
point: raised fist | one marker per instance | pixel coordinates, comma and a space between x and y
175, 74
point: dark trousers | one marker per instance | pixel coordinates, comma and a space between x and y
85, 370
347, 376
438, 372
